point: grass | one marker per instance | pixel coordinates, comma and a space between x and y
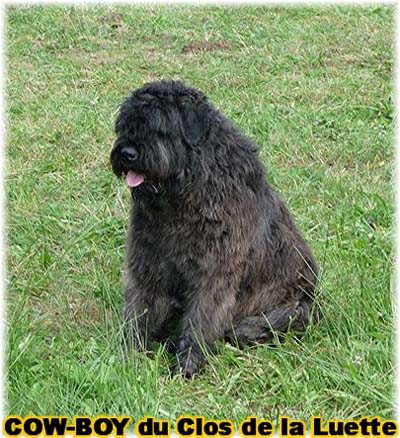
312, 85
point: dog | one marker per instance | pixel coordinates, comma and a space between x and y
212, 252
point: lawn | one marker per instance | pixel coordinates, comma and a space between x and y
313, 87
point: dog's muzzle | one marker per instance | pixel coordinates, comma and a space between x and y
128, 155
123, 159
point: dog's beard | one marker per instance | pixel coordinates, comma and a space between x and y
147, 192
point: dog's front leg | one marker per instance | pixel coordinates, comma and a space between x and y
135, 335
144, 315
208, 314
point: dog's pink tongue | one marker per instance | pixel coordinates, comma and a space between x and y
134, 179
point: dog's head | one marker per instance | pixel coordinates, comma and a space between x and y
159, 127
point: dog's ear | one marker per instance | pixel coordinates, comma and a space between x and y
194, 116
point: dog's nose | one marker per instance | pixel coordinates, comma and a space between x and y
128, 154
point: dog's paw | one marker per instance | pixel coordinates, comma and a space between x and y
187, 364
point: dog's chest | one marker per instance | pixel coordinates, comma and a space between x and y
162, 254
165, 235
173, 242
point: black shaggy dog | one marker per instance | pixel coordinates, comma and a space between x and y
212, 252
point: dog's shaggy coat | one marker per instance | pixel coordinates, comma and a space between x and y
212, 252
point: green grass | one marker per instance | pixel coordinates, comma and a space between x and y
312, 85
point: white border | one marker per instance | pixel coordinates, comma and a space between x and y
2, 208
396, 228
396, 74
304, 3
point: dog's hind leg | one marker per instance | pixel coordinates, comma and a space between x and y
293, 316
